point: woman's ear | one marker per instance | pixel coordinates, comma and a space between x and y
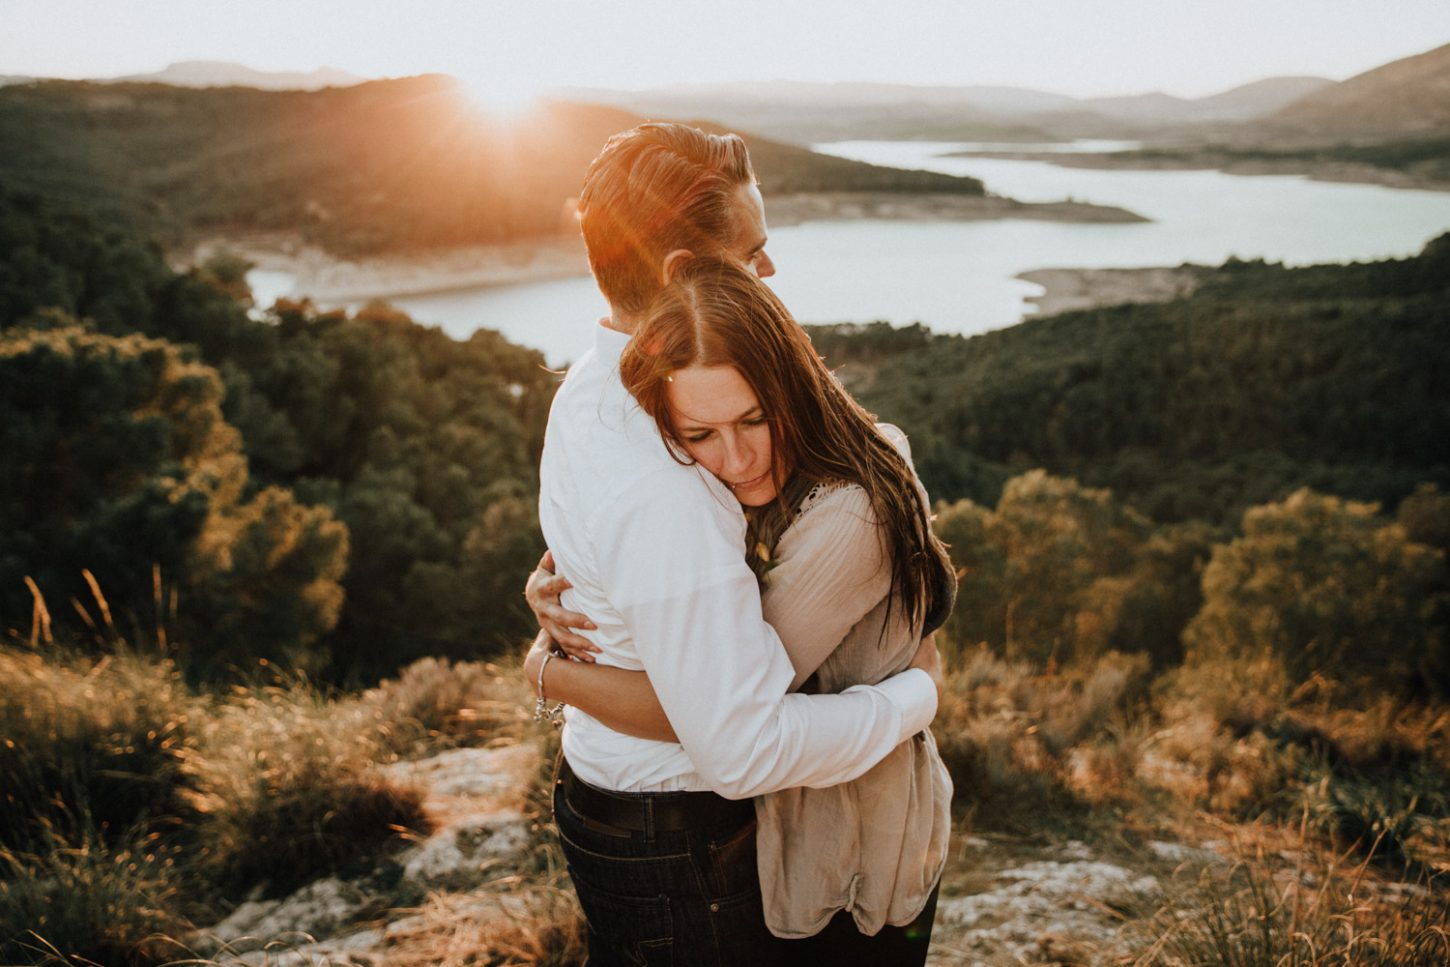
672, 264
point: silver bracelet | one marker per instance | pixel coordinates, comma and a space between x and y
542, 710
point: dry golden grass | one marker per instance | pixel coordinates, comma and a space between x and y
1286, 902
434, 703
512, 923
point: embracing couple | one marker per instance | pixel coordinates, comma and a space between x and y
749, 583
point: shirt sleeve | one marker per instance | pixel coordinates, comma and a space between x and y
677, 574
831, 570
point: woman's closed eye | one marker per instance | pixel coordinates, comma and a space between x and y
701, 435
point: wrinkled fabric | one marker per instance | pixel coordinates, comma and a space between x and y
876, 845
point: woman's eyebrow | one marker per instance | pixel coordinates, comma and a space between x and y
685, 419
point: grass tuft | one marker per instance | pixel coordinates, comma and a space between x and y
1325, 916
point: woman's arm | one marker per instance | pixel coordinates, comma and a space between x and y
623, 700
831, 570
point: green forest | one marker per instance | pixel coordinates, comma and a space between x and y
252, 551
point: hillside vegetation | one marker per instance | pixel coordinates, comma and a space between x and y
383, 166
1265, 380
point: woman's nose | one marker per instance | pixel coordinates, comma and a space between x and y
738, 457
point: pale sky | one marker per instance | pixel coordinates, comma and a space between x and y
1083, 48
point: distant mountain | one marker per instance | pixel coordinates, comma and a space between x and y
15, 79
806, 112
218, 73
1405, 97
809, 112
1151, 109
1259, 99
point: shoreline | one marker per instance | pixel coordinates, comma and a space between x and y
1337, 172
1069, 290
932, 207
332, 280
326, 278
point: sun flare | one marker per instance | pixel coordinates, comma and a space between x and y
507, 99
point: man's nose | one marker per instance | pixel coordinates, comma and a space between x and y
764, 267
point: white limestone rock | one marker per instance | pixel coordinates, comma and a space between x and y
470, 850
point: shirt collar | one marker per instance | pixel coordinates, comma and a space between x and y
609, 343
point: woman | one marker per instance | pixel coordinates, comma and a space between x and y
852, 578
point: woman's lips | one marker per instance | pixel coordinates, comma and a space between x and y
751, 483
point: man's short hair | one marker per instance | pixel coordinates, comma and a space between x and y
654, 189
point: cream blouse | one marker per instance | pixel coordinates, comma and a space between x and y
875, 845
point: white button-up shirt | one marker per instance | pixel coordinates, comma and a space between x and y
655, 552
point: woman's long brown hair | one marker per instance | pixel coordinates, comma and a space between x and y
716, 313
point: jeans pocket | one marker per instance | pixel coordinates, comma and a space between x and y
741, 937
636, 931
732, 866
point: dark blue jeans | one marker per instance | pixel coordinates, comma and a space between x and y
681, 898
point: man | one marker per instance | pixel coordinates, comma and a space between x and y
660, 836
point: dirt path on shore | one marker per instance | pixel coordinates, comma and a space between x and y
1066, 290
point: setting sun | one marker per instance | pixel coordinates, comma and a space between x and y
506, 99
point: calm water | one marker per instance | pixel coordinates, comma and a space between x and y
958, 277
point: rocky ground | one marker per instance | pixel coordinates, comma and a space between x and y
483, 841
1005, 900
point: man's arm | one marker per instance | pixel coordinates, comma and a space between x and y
672, 558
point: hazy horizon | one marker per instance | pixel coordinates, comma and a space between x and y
1120, 47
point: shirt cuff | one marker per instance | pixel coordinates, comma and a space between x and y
914, 693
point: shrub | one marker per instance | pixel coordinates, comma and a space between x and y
1326, 586
1008, 734
1325, 917
79, 900
437, 703
291, 789
111, 740
1368, 772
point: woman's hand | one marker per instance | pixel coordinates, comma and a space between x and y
534, 660
928, 659
542, 592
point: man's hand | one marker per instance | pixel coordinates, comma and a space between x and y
542, 593
928, 659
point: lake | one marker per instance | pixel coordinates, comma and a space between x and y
958, 277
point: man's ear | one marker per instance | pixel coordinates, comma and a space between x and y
672, 264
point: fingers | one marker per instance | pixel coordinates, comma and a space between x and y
567, 618
551, 588
577, 648
543, 599
560, 629
543, 590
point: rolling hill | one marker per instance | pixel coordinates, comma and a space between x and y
219, 73
1408, 97
811, 112
381, 166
